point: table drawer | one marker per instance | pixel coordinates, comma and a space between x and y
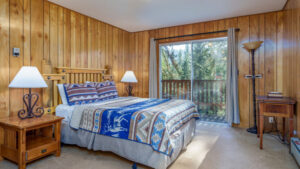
41, 151
273, 108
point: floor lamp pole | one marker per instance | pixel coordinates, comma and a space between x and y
251, 47
254, 128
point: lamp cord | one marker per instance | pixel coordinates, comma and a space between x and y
277, 134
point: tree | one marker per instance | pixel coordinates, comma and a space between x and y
176, 64
209, 60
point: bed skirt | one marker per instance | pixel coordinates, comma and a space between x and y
133, 151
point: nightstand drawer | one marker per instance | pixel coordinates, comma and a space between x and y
40, 151
276, 108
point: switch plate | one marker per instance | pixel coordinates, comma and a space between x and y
16, 52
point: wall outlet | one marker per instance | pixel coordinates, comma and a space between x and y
271, 120
295, 132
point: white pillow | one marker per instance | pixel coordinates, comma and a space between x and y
62, 93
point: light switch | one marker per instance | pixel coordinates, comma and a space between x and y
16, 52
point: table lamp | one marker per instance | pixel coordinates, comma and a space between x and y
251, 47
29, 77
129, 78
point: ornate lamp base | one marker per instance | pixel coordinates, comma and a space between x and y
28, 99
129, 90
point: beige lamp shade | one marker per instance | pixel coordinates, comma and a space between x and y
129, 77
252, 45
28, 77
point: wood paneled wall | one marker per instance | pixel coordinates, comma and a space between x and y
43, 30
269, 58
139, 51
291, 49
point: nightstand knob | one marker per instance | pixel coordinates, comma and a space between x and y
44, 151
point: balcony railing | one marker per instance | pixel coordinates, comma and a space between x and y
208, 95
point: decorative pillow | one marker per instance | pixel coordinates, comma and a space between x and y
80, 93
106, 90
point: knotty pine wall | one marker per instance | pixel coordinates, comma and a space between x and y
66, 38
291, 49
270, 59
43, 30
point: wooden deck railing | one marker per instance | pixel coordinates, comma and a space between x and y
206, 94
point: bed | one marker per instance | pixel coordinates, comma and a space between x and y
151, 132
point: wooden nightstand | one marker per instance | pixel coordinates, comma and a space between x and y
30, 139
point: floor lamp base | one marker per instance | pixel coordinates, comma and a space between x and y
252, 130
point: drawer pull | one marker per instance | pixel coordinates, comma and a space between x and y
44, 151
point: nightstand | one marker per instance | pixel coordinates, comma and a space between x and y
30, 139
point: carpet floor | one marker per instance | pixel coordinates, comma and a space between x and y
215, 146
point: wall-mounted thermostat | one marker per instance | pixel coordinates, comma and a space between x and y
16, 52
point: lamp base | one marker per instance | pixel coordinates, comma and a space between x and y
252, 130
28, 99
129, 90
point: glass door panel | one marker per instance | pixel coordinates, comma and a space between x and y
196, 70
175, 68
209, 58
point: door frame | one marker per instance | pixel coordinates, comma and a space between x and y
183, 39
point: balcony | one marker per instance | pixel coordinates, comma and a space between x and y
208, 95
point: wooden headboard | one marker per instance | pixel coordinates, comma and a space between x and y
54, 76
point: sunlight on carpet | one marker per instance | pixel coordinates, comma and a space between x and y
196, 151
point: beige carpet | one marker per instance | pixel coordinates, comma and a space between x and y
216, 146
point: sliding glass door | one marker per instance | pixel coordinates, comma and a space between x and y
196, 70
176, 70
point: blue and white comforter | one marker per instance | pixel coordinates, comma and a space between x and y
147, 121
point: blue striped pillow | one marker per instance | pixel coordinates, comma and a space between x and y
81, 93
107, 90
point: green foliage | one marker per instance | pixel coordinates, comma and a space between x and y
176, 62
209, 60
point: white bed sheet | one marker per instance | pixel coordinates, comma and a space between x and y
65, 111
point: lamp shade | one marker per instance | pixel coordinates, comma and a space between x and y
252, 45
28, 77
129, 77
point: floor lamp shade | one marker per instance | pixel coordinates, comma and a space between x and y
28, 77
252, 45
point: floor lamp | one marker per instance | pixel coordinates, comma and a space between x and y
251, 47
